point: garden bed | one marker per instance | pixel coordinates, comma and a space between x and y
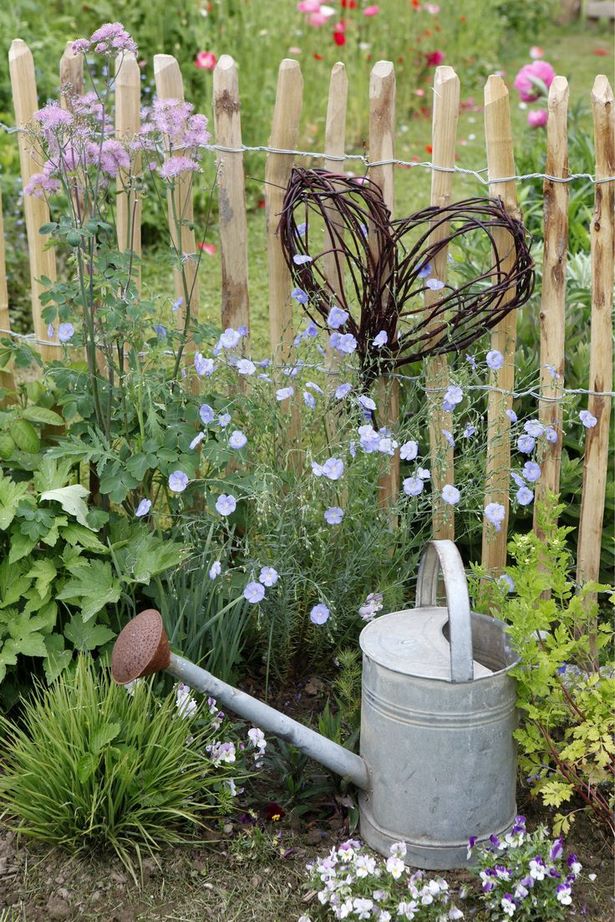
251, 874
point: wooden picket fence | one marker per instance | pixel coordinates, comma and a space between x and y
284, 136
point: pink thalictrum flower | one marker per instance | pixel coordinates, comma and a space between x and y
205, 60
537, 118
532, 78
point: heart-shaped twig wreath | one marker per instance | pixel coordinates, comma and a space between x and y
378, 270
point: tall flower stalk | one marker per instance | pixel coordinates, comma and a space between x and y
86, 166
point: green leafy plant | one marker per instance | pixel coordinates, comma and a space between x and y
92, 764
201, 602
62, 588
565, 694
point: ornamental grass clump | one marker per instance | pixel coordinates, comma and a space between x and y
96, 765
525, 876
353, 883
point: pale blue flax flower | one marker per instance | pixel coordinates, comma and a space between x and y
450, 494
178, 481
237, 439
226, 504
254, 592
495, 359
319, 614
143, 508
409, 451
268, 576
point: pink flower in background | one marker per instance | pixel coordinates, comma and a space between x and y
536, 52
432, 8
209, 248
528, 80
434, 58
322, 16
538, 118
308, 6
371, 10
205, 60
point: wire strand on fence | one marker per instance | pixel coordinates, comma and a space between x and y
31, 339
370, 164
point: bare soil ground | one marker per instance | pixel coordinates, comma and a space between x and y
252, 873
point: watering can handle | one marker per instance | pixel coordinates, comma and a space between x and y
443, 557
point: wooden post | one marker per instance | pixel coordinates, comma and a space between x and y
553, 299
444, 135
36, 211
500, 163
169, 85
71, 76
381, 147
335, 142
6, 375
601, 350
231, 197
127, 124
284, 135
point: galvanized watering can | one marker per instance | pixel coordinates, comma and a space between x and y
438, 760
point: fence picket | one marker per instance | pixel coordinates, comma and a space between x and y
553, 297
444, 136
42, 257
335, 143
601, 349
232, 220
381, 147
71, 75
169, 85
284, 134
500, 163
127, 124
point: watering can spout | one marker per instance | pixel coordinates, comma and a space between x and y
142, 648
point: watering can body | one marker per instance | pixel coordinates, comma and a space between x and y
437, 761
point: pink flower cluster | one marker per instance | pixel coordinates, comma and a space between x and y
174, 119
532, 82
112, 38
74, 142
318, 14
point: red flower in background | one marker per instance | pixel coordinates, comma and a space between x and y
339, 36
600, 52
434, 58
205, 60
349, 4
